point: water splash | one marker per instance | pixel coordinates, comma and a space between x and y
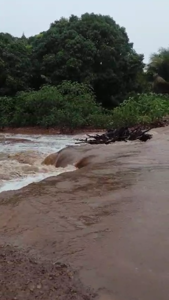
21, 158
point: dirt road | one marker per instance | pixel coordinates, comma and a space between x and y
109, 221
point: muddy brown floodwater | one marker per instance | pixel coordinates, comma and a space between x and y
108, 220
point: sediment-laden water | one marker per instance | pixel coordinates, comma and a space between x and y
109, 221
21, 158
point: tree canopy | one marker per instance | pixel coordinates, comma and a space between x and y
159, 64
15, 64
72, 74
92, 49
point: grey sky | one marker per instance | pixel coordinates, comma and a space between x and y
146, 21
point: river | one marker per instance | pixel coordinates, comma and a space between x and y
21, 158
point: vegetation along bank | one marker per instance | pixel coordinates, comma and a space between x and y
81, 73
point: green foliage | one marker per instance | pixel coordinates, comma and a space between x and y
70, 105
7, 106
15, 64
141, 109
56, 77
91, 49
159, 63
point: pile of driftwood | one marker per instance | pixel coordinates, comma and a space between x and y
117, 135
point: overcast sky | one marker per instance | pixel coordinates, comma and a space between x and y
146, 21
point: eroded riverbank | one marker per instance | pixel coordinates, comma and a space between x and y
108, 220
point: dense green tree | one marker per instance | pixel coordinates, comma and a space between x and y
15, 64
159, 64
91, 49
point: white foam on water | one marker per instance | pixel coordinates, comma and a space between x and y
16, 184
20, 161
42, 143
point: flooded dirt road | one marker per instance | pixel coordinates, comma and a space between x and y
108, 220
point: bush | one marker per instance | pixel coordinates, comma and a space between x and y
70, 105
7, 106
141, 109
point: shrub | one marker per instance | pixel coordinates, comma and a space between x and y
141, 109
70, 105
7, 106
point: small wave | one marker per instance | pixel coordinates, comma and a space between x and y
21, 162
39, 143
23, 168
16, 184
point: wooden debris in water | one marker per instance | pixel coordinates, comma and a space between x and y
116, 135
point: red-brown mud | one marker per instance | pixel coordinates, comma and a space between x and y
25, 278
47, 131
108, 220
68, 131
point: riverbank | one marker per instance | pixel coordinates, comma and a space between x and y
108, 220
58, 131
49, 131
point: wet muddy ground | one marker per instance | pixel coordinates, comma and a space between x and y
108, 220
22, 277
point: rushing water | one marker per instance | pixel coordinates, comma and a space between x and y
108, 221
21, 158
